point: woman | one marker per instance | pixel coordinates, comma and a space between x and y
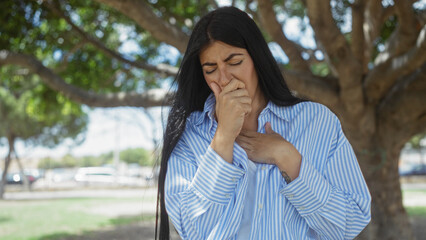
243, 158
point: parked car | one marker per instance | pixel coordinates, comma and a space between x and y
413, 170
95, 175
61, 174
17, 178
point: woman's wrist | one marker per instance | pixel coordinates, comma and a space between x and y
289, 165
223, 145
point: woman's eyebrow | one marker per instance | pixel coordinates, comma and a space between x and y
208, 64
231, 56
226, 59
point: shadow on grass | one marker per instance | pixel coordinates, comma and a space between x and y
124, 220
5, 219
56, 236
123, 228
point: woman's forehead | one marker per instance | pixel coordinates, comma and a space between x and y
218, 50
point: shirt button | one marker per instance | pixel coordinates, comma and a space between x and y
302, 208
290, 196
263, 168
260, 206
233, 179
227, 195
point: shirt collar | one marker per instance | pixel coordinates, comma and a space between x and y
285, 113
209, 109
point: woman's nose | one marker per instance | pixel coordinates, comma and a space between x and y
225, 78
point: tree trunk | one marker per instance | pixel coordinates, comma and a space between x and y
6, 167
3, 178
25, 181
389, 218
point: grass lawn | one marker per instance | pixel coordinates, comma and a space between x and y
419, 211
61, 218
53, 219
415, 211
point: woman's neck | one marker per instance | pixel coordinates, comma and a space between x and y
258, 104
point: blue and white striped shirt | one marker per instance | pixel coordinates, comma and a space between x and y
329, 199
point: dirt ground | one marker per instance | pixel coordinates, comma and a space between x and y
419, 227
145, 231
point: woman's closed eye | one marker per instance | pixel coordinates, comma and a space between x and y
235, 63
211, 71
232, 63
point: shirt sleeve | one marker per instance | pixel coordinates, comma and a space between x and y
196, 196
335, 202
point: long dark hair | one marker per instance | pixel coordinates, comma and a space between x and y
234, 27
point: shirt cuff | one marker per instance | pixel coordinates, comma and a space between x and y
215, 178
309, 191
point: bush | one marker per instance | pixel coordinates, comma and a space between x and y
133, 155
137, 155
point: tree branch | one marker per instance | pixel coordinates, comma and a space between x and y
312, 87
358, 48
404, 109
384, 76
162, 69
406, 17
145, 17
274, 28
150, 98
404, 35
374, 18
252, 12
339, 55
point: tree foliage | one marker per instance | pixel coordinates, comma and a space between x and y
70, 161
33, 113
137, 155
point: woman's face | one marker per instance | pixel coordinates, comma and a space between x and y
222, 62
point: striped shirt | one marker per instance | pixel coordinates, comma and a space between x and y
329, 199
